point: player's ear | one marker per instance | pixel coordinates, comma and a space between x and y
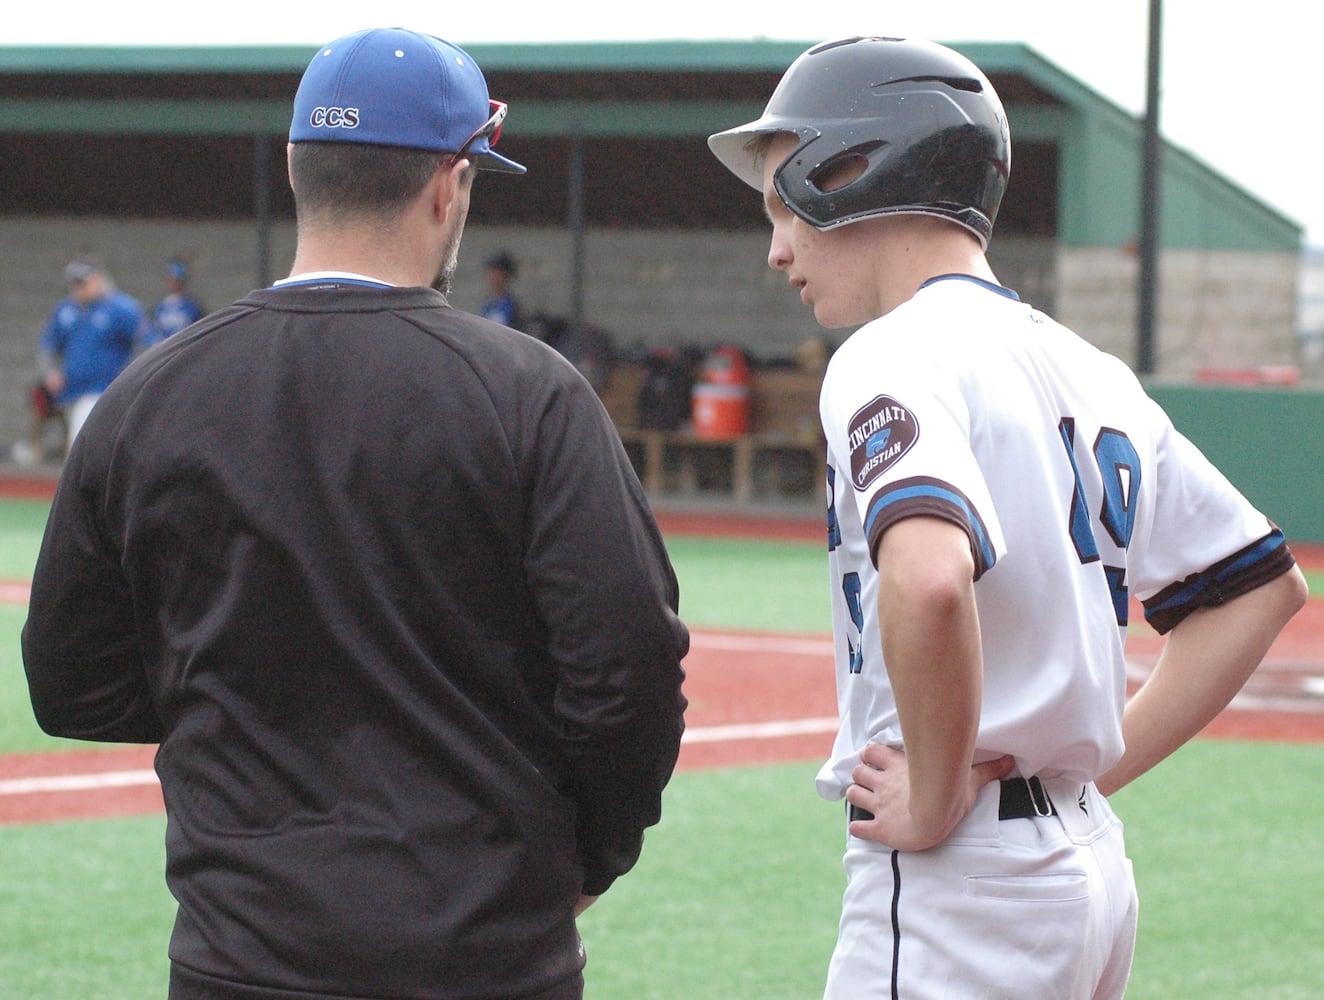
451, 185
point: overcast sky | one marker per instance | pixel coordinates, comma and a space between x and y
1239, 82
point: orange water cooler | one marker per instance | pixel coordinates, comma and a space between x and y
720, 398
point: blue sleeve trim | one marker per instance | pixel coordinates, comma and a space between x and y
1239, 573
929, 498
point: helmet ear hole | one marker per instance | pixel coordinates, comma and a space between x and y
843, 169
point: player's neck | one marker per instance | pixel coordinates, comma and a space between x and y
343, 252
923, 252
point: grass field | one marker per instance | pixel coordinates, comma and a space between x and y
736, 895
21, 525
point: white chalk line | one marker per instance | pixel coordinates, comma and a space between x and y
765, 643
759, 730
76, 782
728, 733
697, 734
47, 784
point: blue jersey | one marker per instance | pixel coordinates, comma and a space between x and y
94, 342
502, 309
174, 312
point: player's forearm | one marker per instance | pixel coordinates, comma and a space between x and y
938, 704
931, 644
1207, 659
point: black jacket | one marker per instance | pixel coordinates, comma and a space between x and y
379, 578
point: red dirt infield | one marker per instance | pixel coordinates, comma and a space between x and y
754, 698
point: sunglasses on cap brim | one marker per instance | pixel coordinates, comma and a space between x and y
489, 130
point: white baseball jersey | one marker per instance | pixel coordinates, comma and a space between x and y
1075, 490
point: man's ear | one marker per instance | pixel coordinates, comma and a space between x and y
451, 186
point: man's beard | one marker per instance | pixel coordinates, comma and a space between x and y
450, 259
445, 276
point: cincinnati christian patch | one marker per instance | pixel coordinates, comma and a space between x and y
880, 433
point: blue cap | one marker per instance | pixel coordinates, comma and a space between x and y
80, 269
394, 87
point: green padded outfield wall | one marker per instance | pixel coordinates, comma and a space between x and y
1268, 441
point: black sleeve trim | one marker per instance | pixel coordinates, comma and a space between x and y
1238, 574
922, 496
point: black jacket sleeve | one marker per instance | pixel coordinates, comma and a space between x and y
80, 647
607, 593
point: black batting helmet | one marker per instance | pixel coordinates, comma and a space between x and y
923, 120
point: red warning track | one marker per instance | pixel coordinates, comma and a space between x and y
754, 698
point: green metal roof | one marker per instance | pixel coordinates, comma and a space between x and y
1100, 141
733, 56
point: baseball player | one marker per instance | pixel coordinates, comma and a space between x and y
88, 340
997, 489
379, 578
500, 306
176, 309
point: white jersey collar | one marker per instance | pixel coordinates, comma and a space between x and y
325, 277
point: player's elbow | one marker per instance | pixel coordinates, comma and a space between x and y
1291, 593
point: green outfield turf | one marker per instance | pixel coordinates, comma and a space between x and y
84, 911
764, 586
18, 729
21, 525
736, 895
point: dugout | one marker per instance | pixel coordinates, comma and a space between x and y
624, 219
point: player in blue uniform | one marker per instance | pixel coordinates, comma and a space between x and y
997, 489
501, 306
88, 340
176, 309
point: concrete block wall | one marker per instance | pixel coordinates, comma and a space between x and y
644, 288
651, 287
655, 287
34, 252
1216, 308
1229, 310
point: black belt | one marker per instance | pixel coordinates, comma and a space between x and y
1021, 798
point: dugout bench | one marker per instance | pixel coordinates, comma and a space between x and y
781, 454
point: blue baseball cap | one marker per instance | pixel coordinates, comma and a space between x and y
80, 269
395, 87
